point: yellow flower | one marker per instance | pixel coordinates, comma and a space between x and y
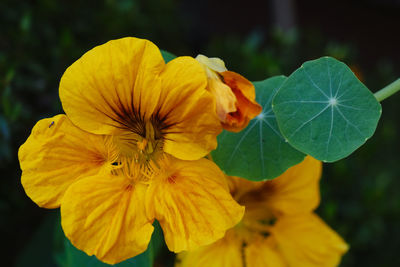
279, 227
234, 94
123, 88
136, 155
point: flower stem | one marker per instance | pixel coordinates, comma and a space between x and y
388, 90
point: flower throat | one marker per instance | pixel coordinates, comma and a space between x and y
142, 146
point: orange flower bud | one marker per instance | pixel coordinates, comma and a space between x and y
234, 94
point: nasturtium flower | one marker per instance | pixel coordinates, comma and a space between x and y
124, 88
128, 151
279, 227
234, 94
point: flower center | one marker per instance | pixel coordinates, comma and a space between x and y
142, 144
253, 225
258, 217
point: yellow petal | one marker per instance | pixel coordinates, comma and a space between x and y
189, 110
305, 240
262, 252
212, 63
55, 155
296, 190
112, 85
192, 203
104, 215
225, 99
226, 252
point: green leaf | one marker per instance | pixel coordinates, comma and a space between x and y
259, 152
323, 110
73, 257
167, 56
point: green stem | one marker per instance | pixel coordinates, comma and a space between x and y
388, 90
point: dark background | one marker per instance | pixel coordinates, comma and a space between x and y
259, 39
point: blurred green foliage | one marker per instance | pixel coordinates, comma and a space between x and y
40, 39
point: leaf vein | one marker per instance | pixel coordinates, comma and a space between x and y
261, 149
350, 123
306, 122
240, 142
312, 81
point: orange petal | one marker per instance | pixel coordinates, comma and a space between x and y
192, 203
305, 240
112, 85
55, 155
296, 190
262, 252
104, 215
225, 252
189, 110
247, 107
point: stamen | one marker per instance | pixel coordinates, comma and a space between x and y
111, 150
134, 172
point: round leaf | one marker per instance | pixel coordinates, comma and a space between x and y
259, 152
323, 110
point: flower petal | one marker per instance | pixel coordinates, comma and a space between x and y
247, 107
296, 190
192, 204
225, 252
215, 64
225, 98
262, 252
305, 240
55, 155
112, 85
104, 215
189, 110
